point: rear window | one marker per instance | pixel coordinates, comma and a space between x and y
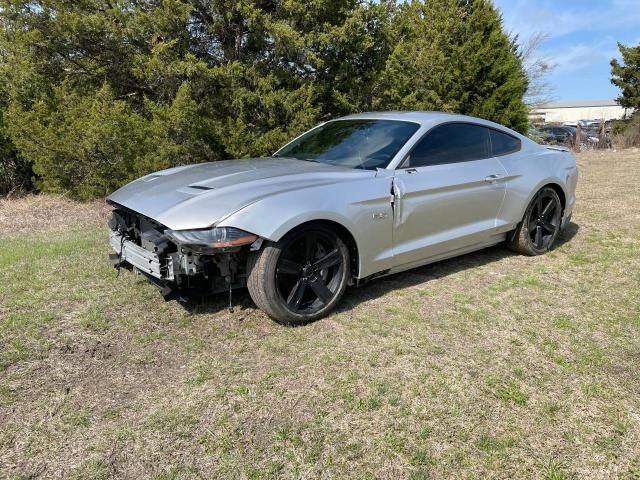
503, 143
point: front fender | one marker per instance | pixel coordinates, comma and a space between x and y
362, 207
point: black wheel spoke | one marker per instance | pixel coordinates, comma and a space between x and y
289, 267
321, 290
295, 297
539, 239
331, 259
539, 205
549, 227
547, 209
532, 225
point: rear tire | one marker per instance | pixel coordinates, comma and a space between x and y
540, 226
302, 277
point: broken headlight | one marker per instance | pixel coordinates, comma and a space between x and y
212, 239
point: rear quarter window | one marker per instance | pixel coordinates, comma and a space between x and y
503, 143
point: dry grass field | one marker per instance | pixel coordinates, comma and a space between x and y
490, 365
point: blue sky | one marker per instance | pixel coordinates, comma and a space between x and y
582, 40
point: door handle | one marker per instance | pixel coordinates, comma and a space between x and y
493, 178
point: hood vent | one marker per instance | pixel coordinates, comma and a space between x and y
194, 189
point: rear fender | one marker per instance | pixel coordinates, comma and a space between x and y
529, 173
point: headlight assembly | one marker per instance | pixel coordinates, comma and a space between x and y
212, 239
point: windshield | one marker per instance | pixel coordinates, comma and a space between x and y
367, 144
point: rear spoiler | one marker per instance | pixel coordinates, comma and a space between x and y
557, 148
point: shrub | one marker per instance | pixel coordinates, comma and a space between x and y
85, 146
628, 135
16, 173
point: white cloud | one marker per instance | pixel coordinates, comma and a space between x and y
526, 17
581, 55
558, 19
579, 36
582, 39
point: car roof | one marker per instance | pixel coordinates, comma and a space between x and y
428, 119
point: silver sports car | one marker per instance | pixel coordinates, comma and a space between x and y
353, 199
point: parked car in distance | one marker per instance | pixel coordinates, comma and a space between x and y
594, 124
349, 201
560, 135
539, 136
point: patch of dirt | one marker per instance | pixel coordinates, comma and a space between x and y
47, 213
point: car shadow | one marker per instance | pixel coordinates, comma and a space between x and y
432, 271
241, 300
211, 304
567, 234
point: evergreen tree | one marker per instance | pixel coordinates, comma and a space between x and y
97, 92
626, 76
455, 57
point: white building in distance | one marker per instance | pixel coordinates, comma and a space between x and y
571, 112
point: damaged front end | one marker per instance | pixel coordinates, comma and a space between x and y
182, 263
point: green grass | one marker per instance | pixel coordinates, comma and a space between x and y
554, 470
95, 469
511, 392
488, 366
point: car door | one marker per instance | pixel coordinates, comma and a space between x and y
448, 193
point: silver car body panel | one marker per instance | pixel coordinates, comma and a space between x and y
199, 196
399, 218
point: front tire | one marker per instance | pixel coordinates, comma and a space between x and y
538, 230
302, 277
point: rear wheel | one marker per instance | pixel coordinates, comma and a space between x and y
540, 226
300, 278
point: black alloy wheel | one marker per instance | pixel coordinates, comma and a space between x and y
302, 277
541, 224
544, 220
308, 272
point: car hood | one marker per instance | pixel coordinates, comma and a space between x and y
199, 196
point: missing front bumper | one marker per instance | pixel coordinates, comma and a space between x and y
140, 244
145, 261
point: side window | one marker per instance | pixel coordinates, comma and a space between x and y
450, 143
503, 144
